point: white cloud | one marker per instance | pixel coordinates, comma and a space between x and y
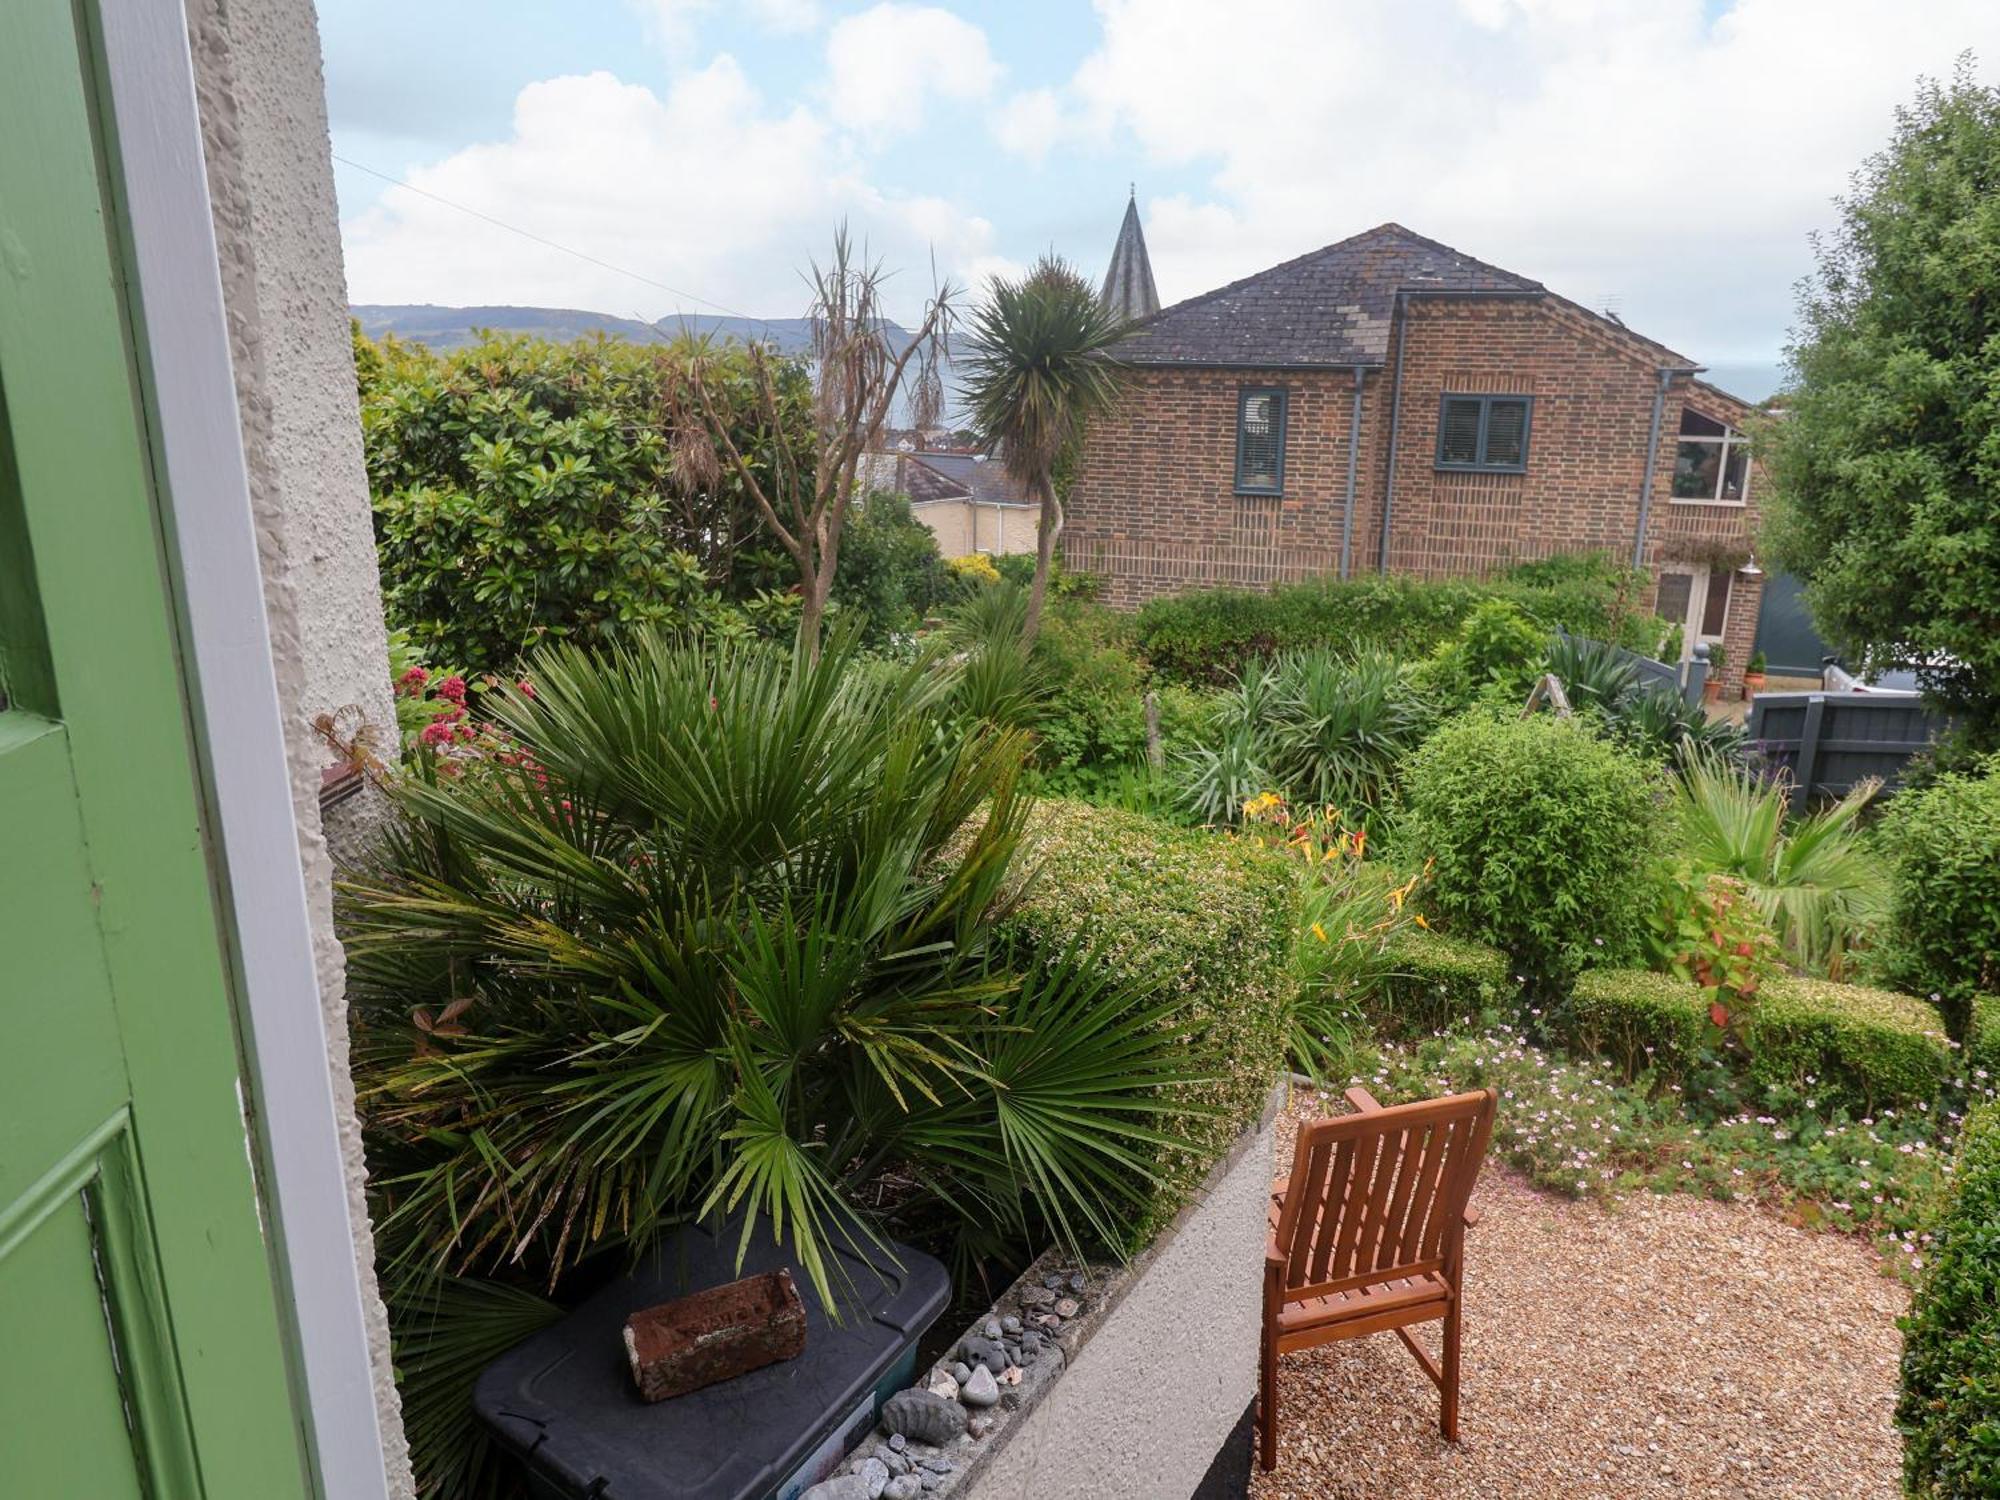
706, 189
1628, 147
885, 63
672, 24
1032, 123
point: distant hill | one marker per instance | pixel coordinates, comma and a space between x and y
443, 329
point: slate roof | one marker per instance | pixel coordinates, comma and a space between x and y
1331, 307
985, 480
922, 481
1128, 283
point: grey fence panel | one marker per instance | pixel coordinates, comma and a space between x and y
1685, 678
1832, 741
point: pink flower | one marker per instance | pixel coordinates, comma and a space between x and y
437, 732
452, 687
412, 682
527, 688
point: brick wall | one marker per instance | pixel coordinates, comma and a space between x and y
1153, 508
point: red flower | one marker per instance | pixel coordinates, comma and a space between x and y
527, 688
437, 732
412, 682
452, 687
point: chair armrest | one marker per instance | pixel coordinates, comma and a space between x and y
1273, 1256
1472, 1218
1361, 1101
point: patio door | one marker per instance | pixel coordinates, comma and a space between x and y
1697, 599
141, 1348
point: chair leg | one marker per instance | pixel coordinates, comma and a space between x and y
1267, 1399
1448, 1384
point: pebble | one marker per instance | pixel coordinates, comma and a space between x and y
1037, 1296
977, 1351
930, 1482
944, 1385
1053, 1281
1067, 1307
1077, 1283
1011, 1375
903, 1487
980, 1425
981, 1390
937, 1465
898, 1442
876, 1473
1049, 1320
959, 1371
1010, 1324
840, 1487
991, 1328
896, 1463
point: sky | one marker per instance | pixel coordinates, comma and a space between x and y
1669, 159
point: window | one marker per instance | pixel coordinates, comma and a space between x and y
1711, 462
1260, 441
1484, 433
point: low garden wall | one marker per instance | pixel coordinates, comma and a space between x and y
1140, 1372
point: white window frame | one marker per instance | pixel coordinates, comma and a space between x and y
1731, 438
1704, 579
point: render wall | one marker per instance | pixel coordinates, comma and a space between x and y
264, 135
963, 527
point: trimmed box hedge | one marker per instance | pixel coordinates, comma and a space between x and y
1214, 918
1865, 1047
1982, 1035
1437, 983
1949, 1413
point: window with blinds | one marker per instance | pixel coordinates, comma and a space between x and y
1484, 433
1260, 441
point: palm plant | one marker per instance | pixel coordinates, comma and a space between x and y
1212, 781
1813, 878
1036, 376
1660, 723
714, 939
1339, 726
1594, 674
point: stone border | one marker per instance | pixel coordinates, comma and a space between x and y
1029, 1316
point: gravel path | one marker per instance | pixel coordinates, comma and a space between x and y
1666, 1346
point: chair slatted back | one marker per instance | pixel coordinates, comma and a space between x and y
1375, 1196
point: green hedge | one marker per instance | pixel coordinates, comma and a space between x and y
1207, 636
1438, 983
1215, 917
1982, 1036
1863, 1047
1949, 1413
1944, 919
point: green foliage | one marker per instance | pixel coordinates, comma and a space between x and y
1949, 1413
528, 492
1495, 657
1436, 983
1711, 934
1216, 777
1596, 675
1542, 838
715, 936
1822, 888
1661, 725
1214, 919
1836, 1044
1206, 637
889, 569
1944, 923
1887, 464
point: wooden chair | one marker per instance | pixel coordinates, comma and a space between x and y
1368, 1234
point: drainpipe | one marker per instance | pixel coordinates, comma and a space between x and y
1353, 463
1666, 375
1399, 320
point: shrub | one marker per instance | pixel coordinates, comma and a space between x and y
1495, 655
1435, 983
1982, 1038
1832, 1043
1542, 838
1212, 918
1944, 922
1949, 1413
1206, 637
1338, 727
526, 492
890, 571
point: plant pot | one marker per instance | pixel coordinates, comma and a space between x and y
1753, 684
1711, 690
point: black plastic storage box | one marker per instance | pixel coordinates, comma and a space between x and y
563, 1402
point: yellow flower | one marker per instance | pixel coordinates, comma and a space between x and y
1319, 932
1421, 922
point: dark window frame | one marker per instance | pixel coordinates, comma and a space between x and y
1485, 402
1244, 394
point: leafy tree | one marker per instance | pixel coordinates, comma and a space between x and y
526, 491
1887, 464
890, 570
1037, 375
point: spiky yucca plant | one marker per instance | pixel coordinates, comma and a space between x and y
717, 940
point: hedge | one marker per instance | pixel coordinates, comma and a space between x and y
1944, 919
1982, 1035
1206, 636
1949, 1413
1438, 983
1863, 1047
1215, 918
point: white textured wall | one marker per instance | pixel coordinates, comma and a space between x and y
1142, 1410
264, 132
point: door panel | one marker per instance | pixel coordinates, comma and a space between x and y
138, 1306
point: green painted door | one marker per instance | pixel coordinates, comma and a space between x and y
142, 1351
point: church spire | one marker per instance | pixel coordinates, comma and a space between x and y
1128, 284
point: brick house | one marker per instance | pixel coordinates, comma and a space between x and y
1387, 404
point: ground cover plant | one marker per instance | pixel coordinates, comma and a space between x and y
715, 928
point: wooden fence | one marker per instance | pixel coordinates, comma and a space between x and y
1832, 741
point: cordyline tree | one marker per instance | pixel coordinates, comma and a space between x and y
808, 482
1037, 375
1887, 463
